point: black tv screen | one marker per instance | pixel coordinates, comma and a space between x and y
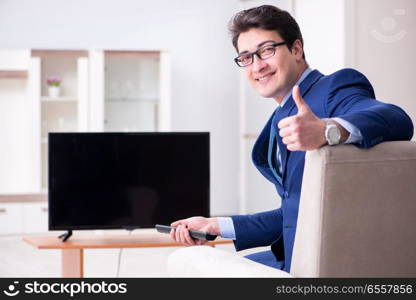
126, 180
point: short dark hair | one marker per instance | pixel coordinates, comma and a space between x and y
266, 17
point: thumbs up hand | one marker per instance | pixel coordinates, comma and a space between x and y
303, 131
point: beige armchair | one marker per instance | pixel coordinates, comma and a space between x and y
357, 218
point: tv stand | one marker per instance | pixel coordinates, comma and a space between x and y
66, 235
72, 252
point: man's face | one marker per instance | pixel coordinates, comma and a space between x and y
272, 77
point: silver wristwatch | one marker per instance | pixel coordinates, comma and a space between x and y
332, 133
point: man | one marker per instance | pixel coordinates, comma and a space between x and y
313, 110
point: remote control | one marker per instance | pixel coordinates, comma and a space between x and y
200, 235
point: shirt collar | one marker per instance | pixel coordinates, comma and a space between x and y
304, 75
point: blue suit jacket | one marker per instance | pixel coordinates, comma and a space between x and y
346, 94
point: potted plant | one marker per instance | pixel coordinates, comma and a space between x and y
54, 86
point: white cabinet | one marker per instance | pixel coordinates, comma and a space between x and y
129, 91
13, 60
64, 112
34, 217
21, 217
11, 219
100, 90
14, 122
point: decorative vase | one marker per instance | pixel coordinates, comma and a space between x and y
54, 91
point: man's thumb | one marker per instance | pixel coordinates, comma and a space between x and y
297, 97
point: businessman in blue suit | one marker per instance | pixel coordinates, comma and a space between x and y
313, 110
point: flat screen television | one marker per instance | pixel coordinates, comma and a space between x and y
126, 180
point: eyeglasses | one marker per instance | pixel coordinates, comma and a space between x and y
264, 52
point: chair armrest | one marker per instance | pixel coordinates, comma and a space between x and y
357, 212
205, 261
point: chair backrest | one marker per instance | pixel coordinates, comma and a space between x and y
357, 213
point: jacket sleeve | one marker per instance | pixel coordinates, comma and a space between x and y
351, 97
256, 230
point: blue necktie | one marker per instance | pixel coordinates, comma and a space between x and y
270, 154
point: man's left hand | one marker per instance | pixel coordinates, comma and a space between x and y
303, 131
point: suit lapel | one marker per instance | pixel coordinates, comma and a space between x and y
290, 109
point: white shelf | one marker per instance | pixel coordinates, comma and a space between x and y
124, 100
125, 88
59, 99
13, 74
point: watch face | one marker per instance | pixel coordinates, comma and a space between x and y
334, 135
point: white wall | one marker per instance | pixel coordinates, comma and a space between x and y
374, 36
384, 46
322, 25
204, 77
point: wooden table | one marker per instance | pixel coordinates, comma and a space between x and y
72, 257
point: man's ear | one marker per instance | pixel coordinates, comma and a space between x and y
297, 49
